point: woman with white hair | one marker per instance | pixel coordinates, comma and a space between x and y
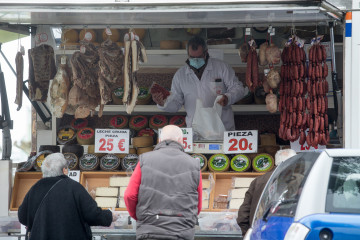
57, 207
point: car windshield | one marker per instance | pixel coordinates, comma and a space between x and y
283, 191
343, 195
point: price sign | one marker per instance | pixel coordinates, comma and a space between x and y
241, 141
74, 175
187, 139
112, 140
297, 147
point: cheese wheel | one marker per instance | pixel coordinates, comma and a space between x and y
114, 37
70, 36
78, 123
203, 161
73, 161
122, 155
240, 163
140, 32
158, 121
66, 135
170, 44
91, 149
145, 141
118, 122
263, 162
148, 132
88, 35
52, 148
129, 162
117, 95
144, 150
89, 162
86, 136
78, 150
144, 96
178, 121
109, 162
138, 122
219, 163
39, 158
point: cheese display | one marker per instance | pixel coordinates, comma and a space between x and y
129, 162
178, 121
78, 123
238, 192
240, 163
144, 150
170, 44
242, 182
52, 148
85, 136
144, 96
106, 202
39, 158
118, 121
235, 203
122, 191
87, 34
219, 163
89, 162
145, 141
119, 181
109, 162
66, 135
205, 183
202, 159
117, 95
148, 132
263, 162
158, 121
107, 192
91, 149
73, 160
70, 36
77, 149
138, 122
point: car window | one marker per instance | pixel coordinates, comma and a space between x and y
283, 191
343, 195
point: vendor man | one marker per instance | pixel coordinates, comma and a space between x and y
205, 78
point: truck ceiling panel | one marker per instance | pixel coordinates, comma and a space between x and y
116, 14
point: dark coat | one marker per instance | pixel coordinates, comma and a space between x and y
252, 196
67, 212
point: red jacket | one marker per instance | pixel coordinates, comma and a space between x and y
132, 191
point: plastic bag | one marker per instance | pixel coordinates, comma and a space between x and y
207, 124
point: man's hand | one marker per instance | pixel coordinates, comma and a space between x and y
158, 99
115, 216
223, 101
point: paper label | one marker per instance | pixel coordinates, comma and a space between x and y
241, 141
74, 175
112, 140
108, 31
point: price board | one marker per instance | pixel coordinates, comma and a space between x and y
297, 147
112, 140
187, 139
74, 175
240, 141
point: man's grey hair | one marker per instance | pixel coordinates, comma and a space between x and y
171, 132
53, 165
283, 155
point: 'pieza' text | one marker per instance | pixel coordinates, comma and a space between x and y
240, 134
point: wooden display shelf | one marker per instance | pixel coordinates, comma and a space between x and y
23, 181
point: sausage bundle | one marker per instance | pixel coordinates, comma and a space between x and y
252, 69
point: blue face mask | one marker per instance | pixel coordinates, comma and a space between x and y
197, 62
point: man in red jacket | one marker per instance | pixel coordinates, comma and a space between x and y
165, 190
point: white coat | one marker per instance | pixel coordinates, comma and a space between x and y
186, 88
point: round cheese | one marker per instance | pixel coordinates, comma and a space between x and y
28, 165
122, 155
109, 162
39, 158
89, 162
144, 96
219, 163
77, 149
66, 135
91, 149
117, 95
178, 121
119, 122
145, 141
129, 162
88, 35
114, 37
70, 36
140, 32
86, 136
148, 132
158, 121
203, 161
52, 148
263, 162
170, 44
73, 160
78, 123
144, 150
240, 163
138, 122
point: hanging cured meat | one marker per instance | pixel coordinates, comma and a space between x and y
59, 89
134, 52
41, 70
19, 61
252, 68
